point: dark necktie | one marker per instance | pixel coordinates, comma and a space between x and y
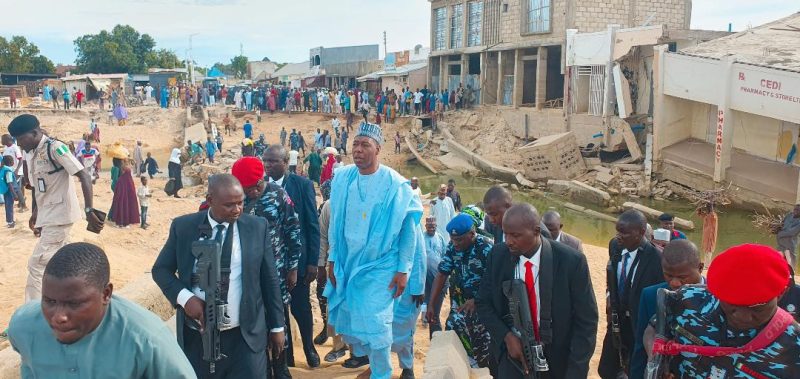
226, 241
623, 276
530, 283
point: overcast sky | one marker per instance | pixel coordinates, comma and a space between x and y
284, 30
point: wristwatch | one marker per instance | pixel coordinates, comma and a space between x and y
87, 210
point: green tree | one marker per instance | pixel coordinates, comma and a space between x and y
41, 65
19, 55
123, 50
238, 66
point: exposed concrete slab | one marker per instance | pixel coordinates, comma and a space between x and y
605, 178
654, 213
574, 188
446, 357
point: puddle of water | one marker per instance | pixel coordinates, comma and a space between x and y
734, 225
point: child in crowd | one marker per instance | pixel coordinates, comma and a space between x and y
144, 201
8, 188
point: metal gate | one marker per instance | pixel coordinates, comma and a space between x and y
597, 78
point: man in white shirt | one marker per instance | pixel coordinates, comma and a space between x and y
251, 296
415, 187
293, 154
335, 124
443, 210
417, 102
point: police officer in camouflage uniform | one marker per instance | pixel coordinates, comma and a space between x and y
49, 167
270, 201
464, 263
734, 327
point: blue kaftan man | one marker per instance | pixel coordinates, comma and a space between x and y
407, 308
371, 259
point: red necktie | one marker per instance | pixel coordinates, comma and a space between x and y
531, 284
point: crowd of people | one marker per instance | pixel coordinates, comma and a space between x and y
382, 261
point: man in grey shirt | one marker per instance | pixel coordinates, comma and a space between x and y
787, 235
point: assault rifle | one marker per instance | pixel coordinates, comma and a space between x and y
614, 317
658, 364
522, 326
208, 253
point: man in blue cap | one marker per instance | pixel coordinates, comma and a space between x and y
370, 260
464, 264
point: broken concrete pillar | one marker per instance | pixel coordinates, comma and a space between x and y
446, 357
541, 77
519, 74
499, 78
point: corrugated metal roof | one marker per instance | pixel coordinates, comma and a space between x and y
399, 71
775, 44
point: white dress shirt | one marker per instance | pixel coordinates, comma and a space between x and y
235, 282
558, 239
278, 181
520, 274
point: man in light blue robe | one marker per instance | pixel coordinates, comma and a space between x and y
81, 329
370, 260
407, 308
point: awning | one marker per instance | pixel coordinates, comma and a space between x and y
99, 83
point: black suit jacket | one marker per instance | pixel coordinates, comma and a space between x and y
565, 292
261, 307
647, 273
301, 191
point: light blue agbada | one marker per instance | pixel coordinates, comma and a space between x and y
406, 311
367, 256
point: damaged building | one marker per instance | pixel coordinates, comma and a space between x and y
728, 111
511, 52
333, 67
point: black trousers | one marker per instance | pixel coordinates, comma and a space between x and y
241, 362
609, 364
301, 310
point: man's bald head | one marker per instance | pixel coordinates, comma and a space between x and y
521, 227
681, 264
680, 251
497, 194
278, 150
524, 213
219, 182
552, 221
551, 216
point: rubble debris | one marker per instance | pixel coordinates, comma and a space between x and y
552, 157
576, 189
654, 213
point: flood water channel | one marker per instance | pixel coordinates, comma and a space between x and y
735, 225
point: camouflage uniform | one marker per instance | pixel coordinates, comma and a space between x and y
700, 320
259, 148
465, 269
284, 230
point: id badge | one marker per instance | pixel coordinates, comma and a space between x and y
42, 187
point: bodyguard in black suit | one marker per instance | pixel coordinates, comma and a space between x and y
566, 308
253, 292
301, 192
634, 263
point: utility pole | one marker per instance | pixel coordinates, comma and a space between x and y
191, 59
241, 49
385, 52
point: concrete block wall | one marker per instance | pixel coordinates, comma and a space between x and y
596, 15
556, 156
511, 30
675, 14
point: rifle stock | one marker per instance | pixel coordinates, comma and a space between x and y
208, 254
522, 327
658, 364
613, 298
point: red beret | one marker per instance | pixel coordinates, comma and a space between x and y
748, 274
249, 170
